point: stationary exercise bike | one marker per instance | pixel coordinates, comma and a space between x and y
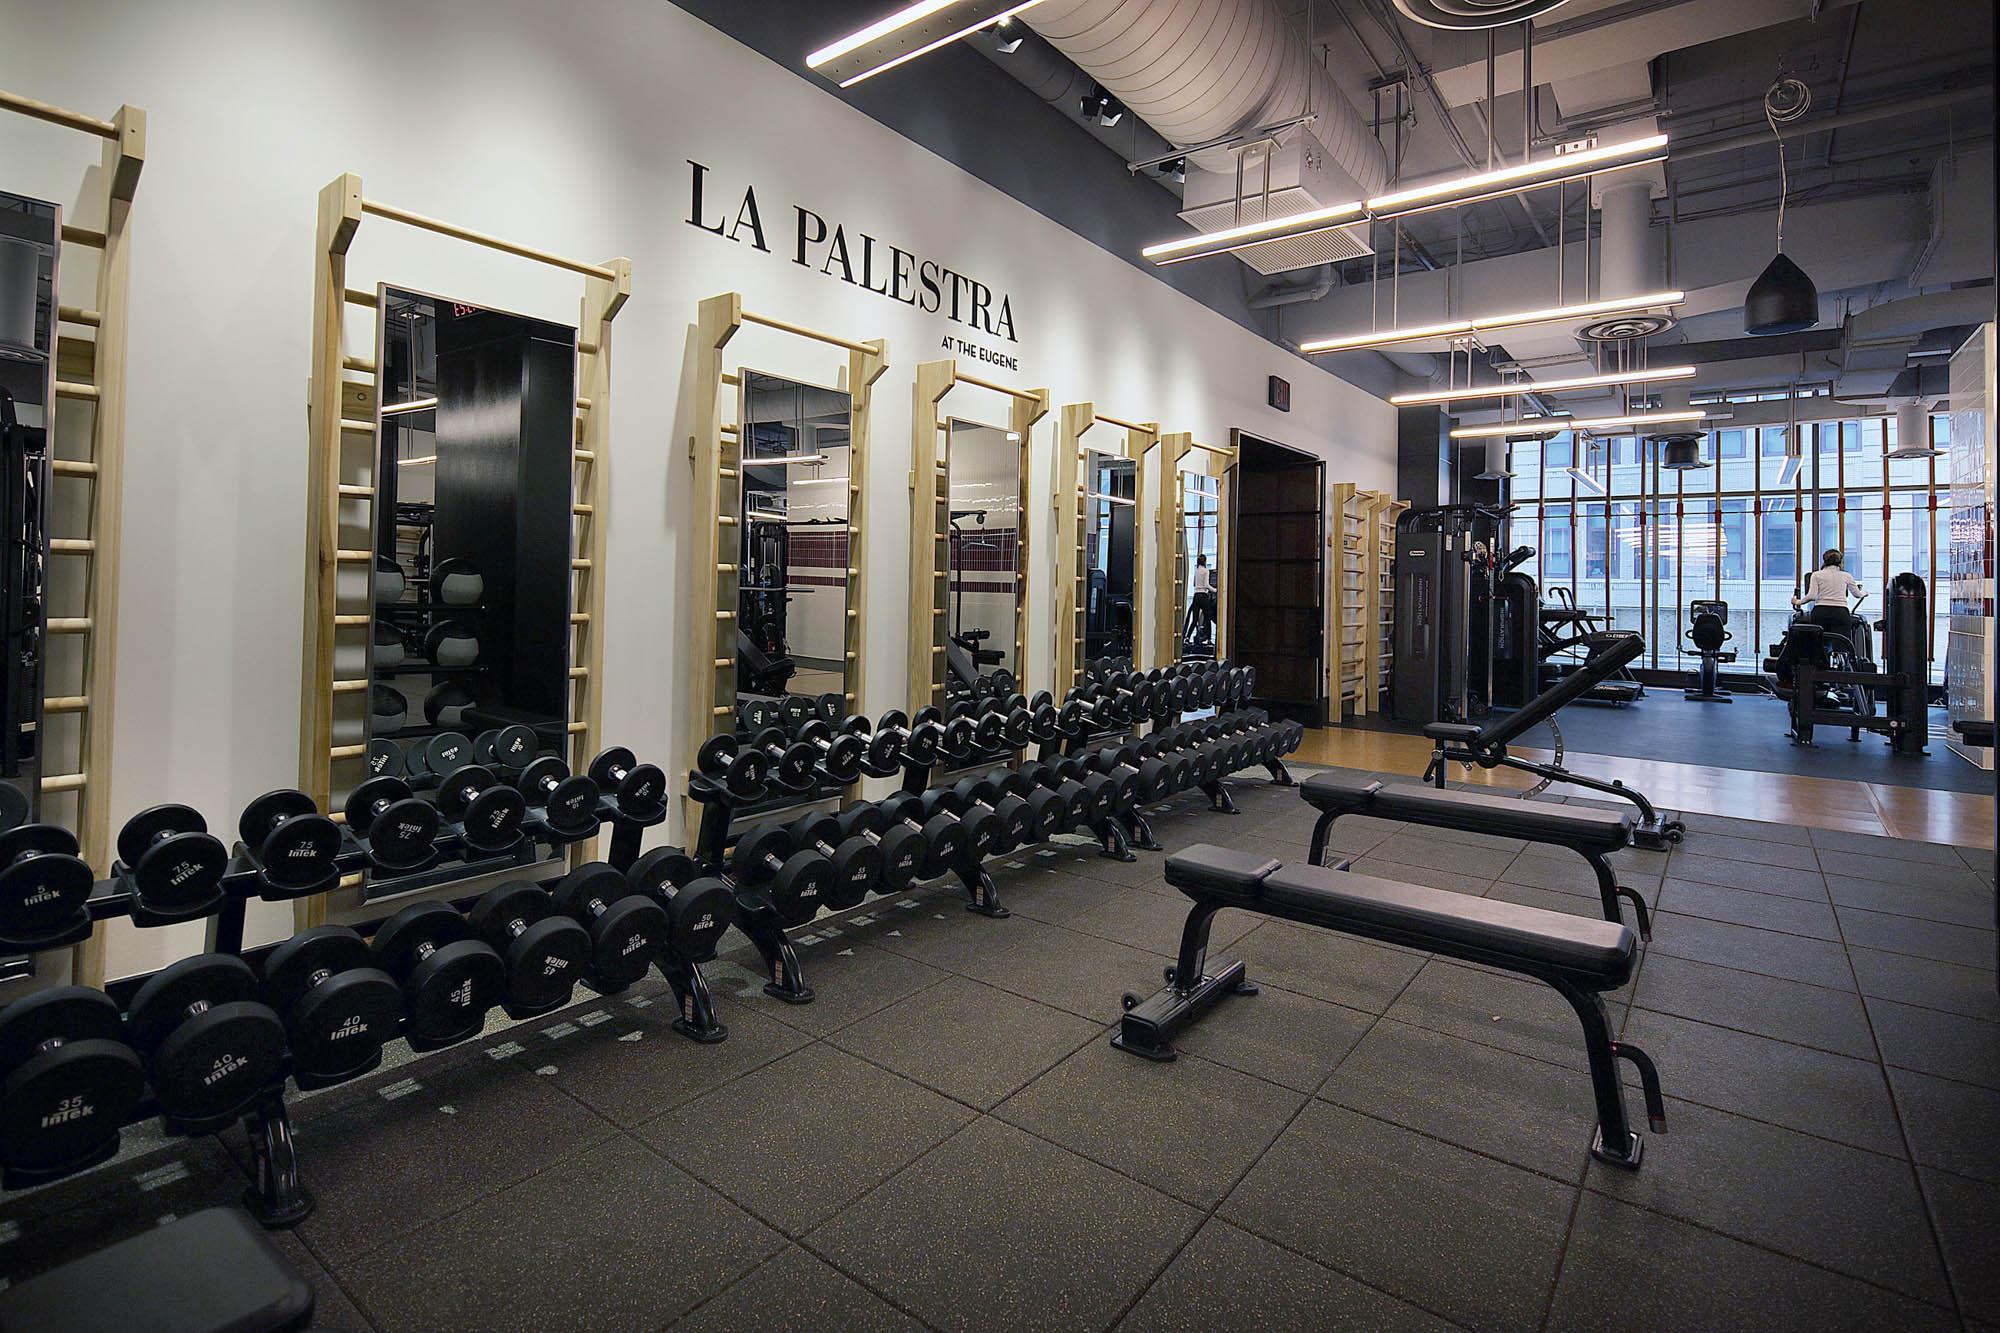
1708, 632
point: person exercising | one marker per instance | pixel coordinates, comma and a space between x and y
1830, 585
1201, 603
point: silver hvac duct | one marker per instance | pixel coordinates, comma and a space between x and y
1626, 265
1200, 70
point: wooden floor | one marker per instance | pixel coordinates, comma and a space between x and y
1963, 819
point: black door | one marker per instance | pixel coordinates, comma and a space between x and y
1277, 578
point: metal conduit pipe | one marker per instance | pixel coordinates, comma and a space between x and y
1198, 70
1312, 291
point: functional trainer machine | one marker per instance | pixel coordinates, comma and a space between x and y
1708, 630
1825, 669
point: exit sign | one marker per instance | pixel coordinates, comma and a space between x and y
1280, 395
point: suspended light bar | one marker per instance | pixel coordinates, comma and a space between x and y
1545, 386
1789, 471
910, 32
1419, 199
1114, 499
1584, 481
1579, 424
1386, 337
784, 460
414, 405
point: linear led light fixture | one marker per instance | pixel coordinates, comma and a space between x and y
1580, 424
910, 32
414, 405
1113, 499
418, 461
1382, 338
1545, 386
1421, 199
784, 460
1584, 481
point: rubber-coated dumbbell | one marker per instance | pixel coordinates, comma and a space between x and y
174, 862
945, 838
43, 883
794, 764
294, 844
449, 980
398, 828
1002, 793
385, 758
638, 790
856, 862
337, 1006
627, 929
794, 883
839, 755
737, 771
210, 1043
506, 749
568, 801
899, 846
882, 742
985, 832
699, 907
543, 951
1065, 804
68, 1081
488, 812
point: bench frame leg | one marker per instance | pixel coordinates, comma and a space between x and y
1610, 890
1615, 1143
1322, 829
1193, 988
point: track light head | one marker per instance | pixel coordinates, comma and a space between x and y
1174, 169
1009, 34
1102, 107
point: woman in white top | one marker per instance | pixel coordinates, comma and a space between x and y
1201, 603
1830, 585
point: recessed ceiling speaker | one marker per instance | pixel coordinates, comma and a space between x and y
1680, 453
1782, 300
1474, 14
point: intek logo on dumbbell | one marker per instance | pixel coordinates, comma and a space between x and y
551, 965
633, 944
303, 852
224, 1066
68, 1111
860, 875
354, 1025
39, 896
408, 828
707, 922
497, 817
183, 872
461, 995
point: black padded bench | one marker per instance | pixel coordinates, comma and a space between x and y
1579, 957
1590, 833
210, 1272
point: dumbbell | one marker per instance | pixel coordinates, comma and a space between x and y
43, 883
1104, 794
398, 828
627, 929
699, 907
899, 846
68, 1081
923, 744
999, 729
959, 739
882, 743
543, 951
795, 712
944, 838
569, 801
1056, 809
856, 862
456, 583
210, 1043
174, 863
385, 758
832, 707
446, 752
337, 1006
1138, 780
733, 768
795, 883
755, 715
449, 980
985, 832
295, 845
638, 790
506, 749
1004, 793
793, 763
839, 755
488, 812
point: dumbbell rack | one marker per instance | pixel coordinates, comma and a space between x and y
759, 923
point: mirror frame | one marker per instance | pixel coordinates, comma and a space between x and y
1071, 514
1170, 571
930, 542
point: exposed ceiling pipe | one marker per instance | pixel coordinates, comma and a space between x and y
1311, 291
1687, 152
1051, 76
1199, 70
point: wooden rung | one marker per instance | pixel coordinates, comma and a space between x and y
586, 349
348, 751
725, 569
70, 314
726, 520
785, 326
360, 364
69, 625
354, 557
579, 563
581, 509
726, 472
70, 467
578, 728
730, 378
852, 612
352, 622
350, 686
724, 663
578, 673
354, 297
585, 456
71, 546
83, 236
727, 430
356, 492
938, 649
354, 427
725, 615
72, 389
63, 782
579, 618
854, 657
66, 703
722, 710
583, 404
458, 233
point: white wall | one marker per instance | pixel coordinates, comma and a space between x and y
565, 126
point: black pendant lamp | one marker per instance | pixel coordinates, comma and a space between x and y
1680, 453
1783, 299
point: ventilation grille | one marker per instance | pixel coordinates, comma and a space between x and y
1283, 256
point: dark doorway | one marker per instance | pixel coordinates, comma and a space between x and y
1277, 579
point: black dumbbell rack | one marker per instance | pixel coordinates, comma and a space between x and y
785, 979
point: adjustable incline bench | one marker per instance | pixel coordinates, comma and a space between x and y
1465, 742
1580, 957
1591, 834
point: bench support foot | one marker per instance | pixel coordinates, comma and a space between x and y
275, 1197
1149, 1025
1628, 1161
697, 1021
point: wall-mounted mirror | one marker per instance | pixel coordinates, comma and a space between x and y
792, 640
476, 436
1198, 592
983, 611
30, 232
1110, 561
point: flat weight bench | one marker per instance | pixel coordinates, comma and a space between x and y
1581, 958
1590, 833
210, 1272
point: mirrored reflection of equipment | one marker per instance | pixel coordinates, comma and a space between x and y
1825, 668
966, 658
1567, 631
762, 661
1708, 630
24, 511
1111, 554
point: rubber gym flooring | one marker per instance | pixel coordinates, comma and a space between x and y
1379, 1140
1749, 733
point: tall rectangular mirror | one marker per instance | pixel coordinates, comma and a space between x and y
476, 435
792, 640
1200, 558
30, 232
983, 613
1111, 557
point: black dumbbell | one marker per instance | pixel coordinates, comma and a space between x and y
43, 883
456, 583
794, 713
839, 755
944, 837
174, 862
1003, 792
398, 828
794, 883
337, 1006
699, 907
857, 862
569, 801
385, 758
638, 790
544, 952
900, 847
984, 832
794, 764
210, 1043
449, 980
68, 1081
627, 929
1066, 805
294, 844
506, 749
923, 743
488, 812
735, 770
882, 742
